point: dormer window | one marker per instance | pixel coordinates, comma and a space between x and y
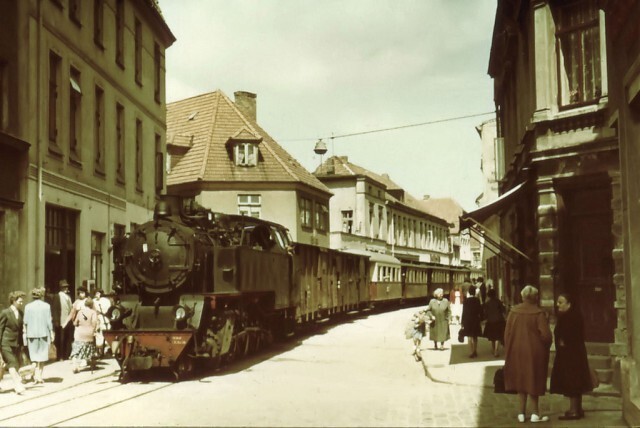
246, 154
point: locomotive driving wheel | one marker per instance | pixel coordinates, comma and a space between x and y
182, 368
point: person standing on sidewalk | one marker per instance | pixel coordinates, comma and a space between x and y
11, 337
471, 319
61, 305
439, 314
527, 339
85, 321
38, 331
570, 375
494, 328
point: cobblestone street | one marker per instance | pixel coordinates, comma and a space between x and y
357, 374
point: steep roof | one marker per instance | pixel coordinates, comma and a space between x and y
339, 166
446, 208
204, 124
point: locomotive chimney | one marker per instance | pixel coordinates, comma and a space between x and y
246, 103
161, 210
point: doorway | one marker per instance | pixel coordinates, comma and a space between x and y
60, 247
586, 262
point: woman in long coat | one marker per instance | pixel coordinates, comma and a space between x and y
471, 320
439, 312
570, 374
527, 339
38, 331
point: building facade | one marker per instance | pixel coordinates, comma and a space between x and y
82, 126
372, 214
220, 157
560, 203
623, 53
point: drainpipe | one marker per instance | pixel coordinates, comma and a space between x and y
39, 247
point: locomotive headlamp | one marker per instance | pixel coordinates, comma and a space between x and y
182, 313
117, 314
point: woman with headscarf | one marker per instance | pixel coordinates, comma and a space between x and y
38, 331
439, 313
527, 339
570, 375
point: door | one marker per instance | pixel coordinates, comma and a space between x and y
60, 242
586, 253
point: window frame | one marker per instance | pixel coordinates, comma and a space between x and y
120, 27
138, 50
249, 152
75, 117
55, 67
98, 132
306, 212
252, 203
120, 146
139, 156
98, 23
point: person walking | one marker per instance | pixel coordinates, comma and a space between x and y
38, 331
101, 304
482, 288
439, 314
570, 375
85, 320
494, 327
471, 320
457, 299
61, 305
11, 324
417, 332
527, 339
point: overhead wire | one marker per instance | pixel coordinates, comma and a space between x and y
431, 122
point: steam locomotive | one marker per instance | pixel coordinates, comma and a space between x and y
199, 288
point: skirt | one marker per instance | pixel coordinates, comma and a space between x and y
38, 349
82, 350
494, 331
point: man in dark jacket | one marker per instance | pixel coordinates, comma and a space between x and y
11, 337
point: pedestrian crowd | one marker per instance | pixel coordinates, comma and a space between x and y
525, 334
51, 327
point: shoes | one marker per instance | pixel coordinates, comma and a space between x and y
521, 418
572, 416
76, 370
535, 418
473, 355
20, 389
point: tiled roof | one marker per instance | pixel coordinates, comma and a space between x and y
446, 208
206, 123
339, 166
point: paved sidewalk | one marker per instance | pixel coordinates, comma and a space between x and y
454, 367
57, 376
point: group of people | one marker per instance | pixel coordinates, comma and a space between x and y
72, 327
527, 340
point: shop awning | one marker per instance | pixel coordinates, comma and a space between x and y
483, 213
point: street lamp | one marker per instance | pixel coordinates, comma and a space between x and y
320, 149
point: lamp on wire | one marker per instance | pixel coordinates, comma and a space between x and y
320, 149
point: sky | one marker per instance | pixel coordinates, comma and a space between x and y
328, 68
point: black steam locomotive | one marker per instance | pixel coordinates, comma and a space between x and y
200, 288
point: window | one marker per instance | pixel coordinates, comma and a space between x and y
139, 155
4, 94
98, 22
138, 50
157, 66
246, 154
54, 84
98, 130
249, 205
347, 221
305, 212
321, 213
120, 173
578, 38
120, 33
96, 258
75, 120
380, 220
74, 11
159, 166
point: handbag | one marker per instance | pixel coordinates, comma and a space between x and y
53, 352
461, 334
498, 382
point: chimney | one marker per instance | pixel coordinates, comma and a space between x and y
426, 197
246, 103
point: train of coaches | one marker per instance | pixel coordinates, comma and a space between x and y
198, 287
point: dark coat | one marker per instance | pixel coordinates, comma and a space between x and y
527, 339
10, 328
570, 374
471, 317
